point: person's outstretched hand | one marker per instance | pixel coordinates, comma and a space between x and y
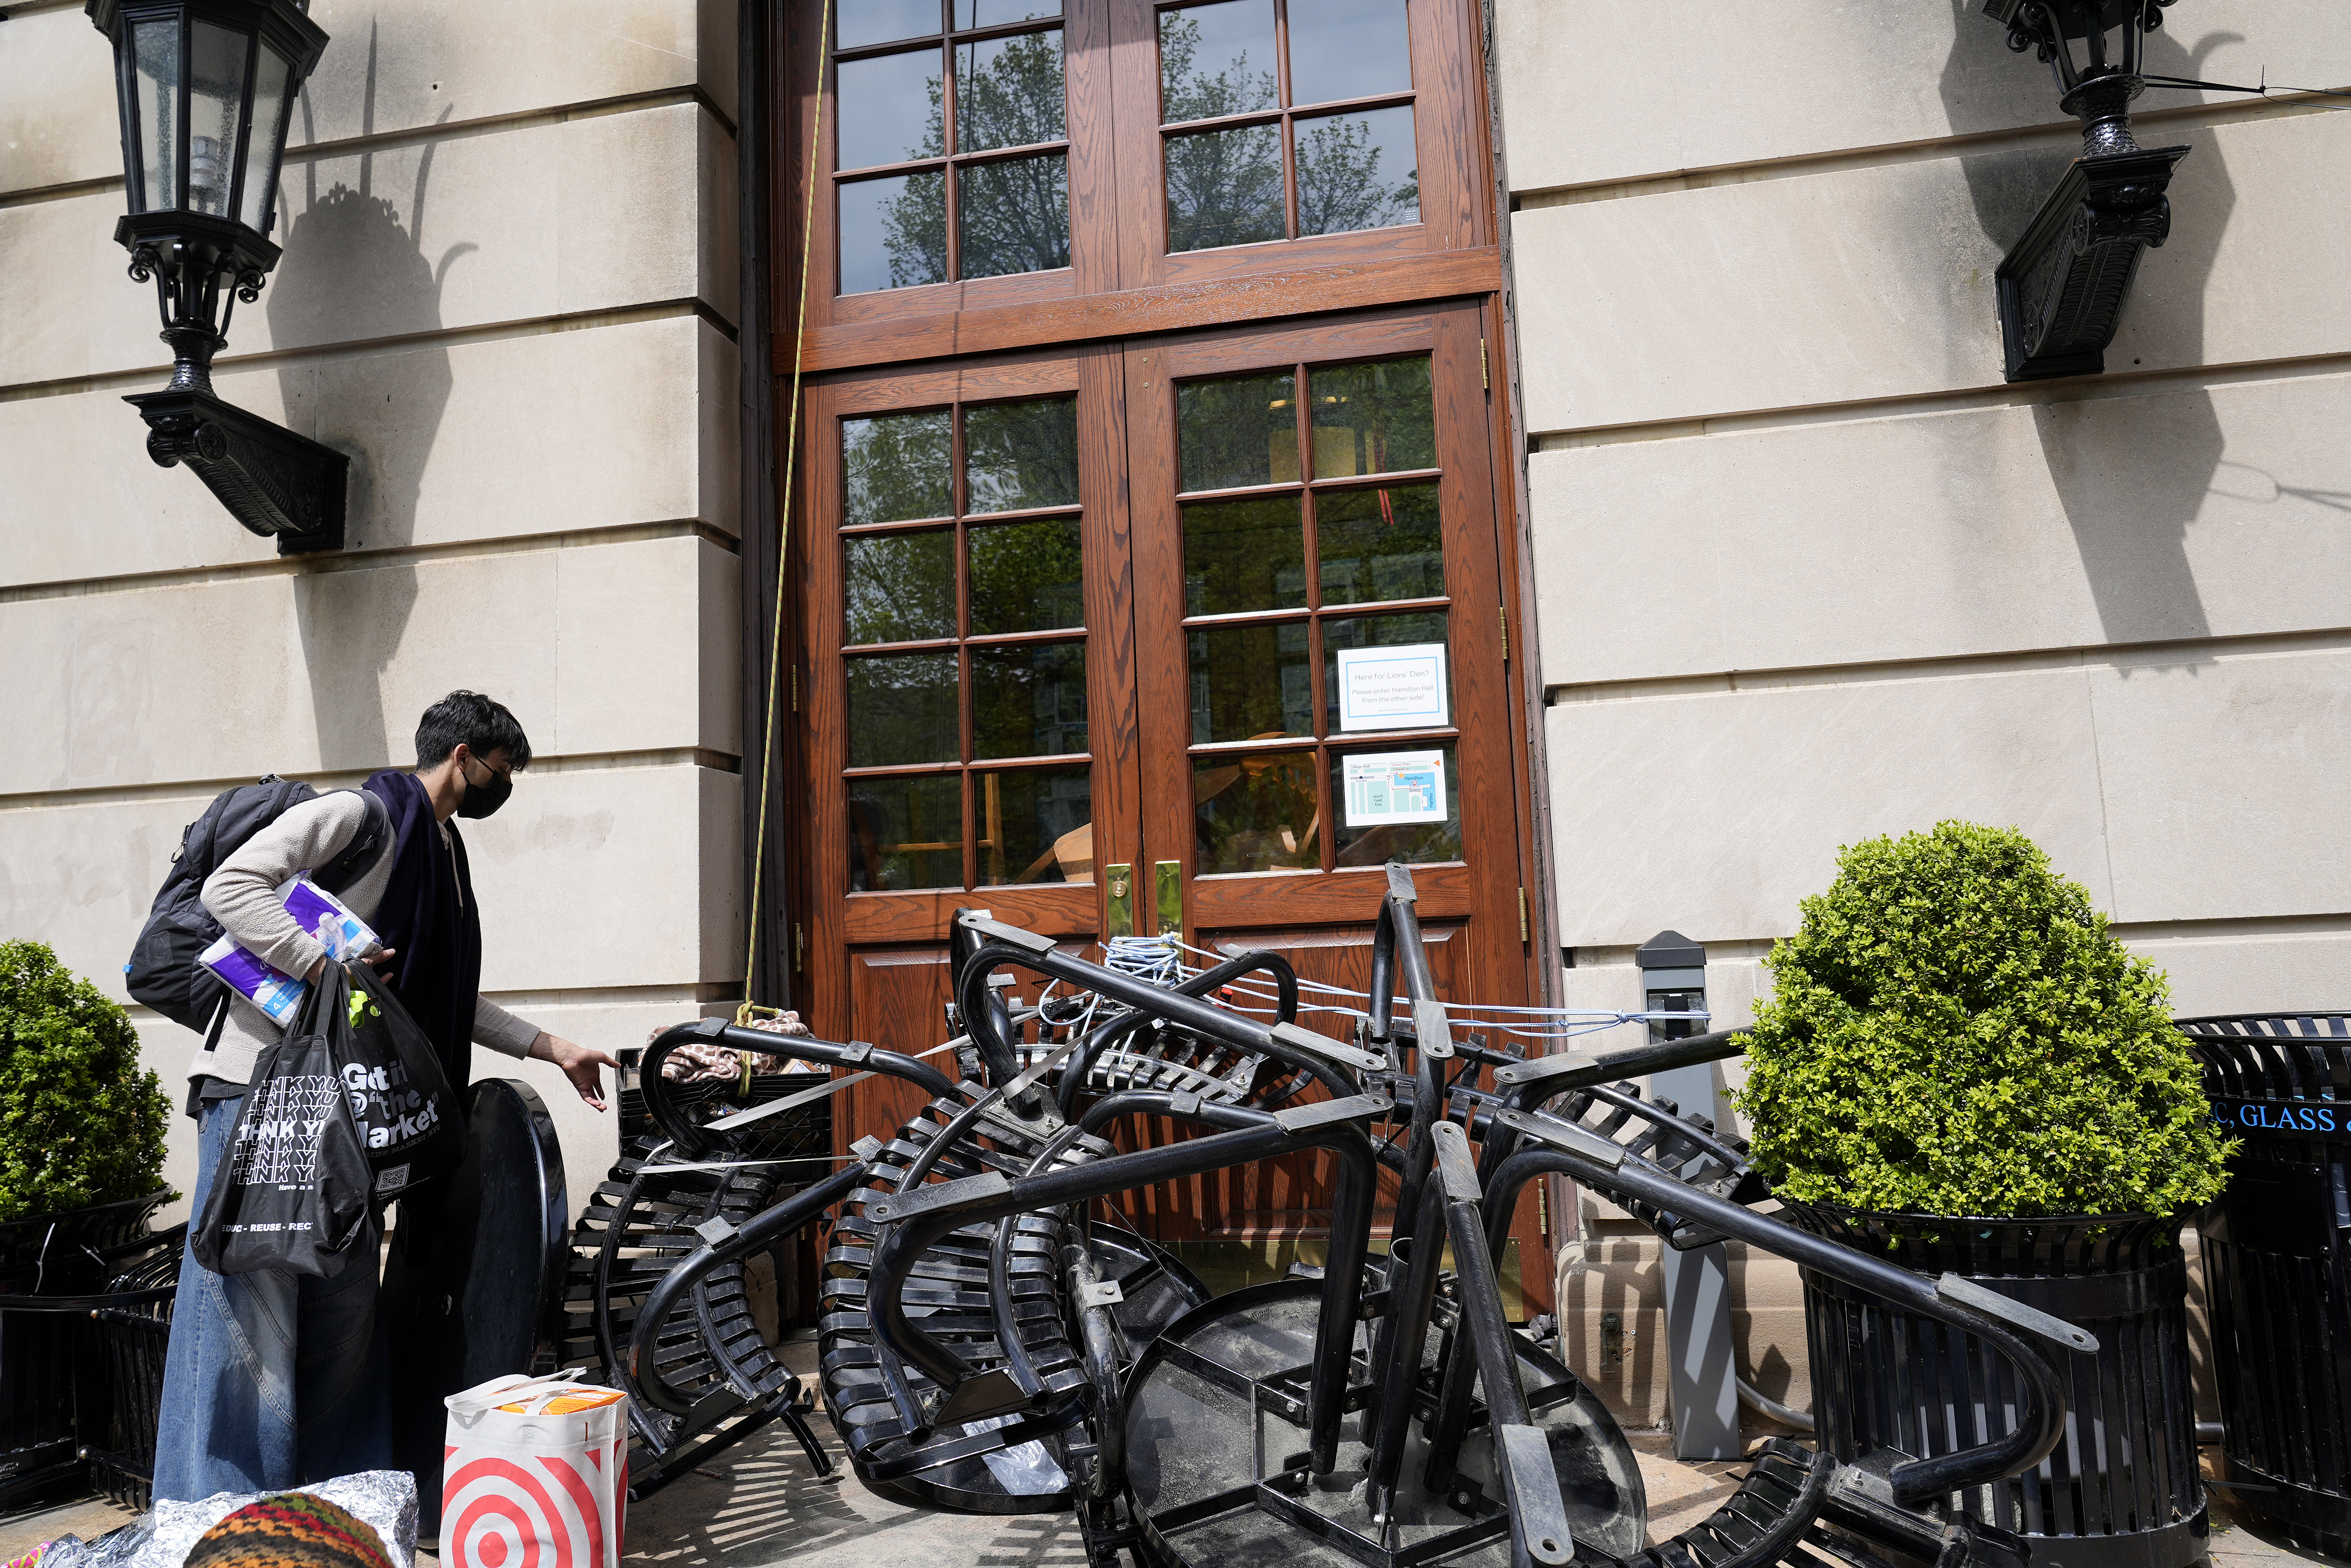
582, 1064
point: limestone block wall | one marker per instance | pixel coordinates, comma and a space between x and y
1807, 571
510, 292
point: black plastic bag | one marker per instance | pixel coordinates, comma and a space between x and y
291, 1191
412, 1126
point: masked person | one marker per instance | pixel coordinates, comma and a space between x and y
274, 1380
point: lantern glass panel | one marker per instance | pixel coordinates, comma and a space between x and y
155, 49
267, 136
216, 58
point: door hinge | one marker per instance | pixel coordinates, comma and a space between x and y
1485, 371
799, 948
1522, 917
796, 686
1503, 613
1543, 1209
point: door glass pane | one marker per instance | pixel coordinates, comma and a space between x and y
905, 832
215, 104
1026, 577
895, 467
1217, 59
1016, 216
1380, 544
997, 12
1244, 554
156, 47
891, 109
1347, 48
1255, 813
893, 232
884, 21
1035, 825
902, 708
1028, 700
1019, 456
261, 147
1357, 172
1379, 417
1250, 682
1239, 431
1009, 91
1396, 804
1224, 187
1407, 693
900, 588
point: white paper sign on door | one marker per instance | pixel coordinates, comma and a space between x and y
1392, 688
1394, 787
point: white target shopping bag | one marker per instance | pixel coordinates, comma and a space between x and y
535, 1474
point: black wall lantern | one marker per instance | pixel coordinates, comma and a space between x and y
205, 88
2062, 288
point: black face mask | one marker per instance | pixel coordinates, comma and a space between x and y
480, 799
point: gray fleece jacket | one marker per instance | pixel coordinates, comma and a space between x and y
242, 894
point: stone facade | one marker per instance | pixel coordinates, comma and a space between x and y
1807, 571
510, 294
1803, 569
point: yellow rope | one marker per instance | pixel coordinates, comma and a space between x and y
749, 1010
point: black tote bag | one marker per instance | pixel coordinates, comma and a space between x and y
291, 1191
411, 1125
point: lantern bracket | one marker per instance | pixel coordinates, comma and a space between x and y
272, 481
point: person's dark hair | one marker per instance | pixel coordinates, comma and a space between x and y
473, 720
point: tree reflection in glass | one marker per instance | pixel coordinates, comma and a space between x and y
1379, 544
1357, 172
1026, 577
1244, 554
1378, 418
1020, 456
895, 468
1028, 699
900, 587
1014, 215
902, 708
1236, 431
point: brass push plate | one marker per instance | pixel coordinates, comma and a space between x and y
1170, 877
1118, 884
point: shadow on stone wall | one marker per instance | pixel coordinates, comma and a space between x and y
2131, 484
355, 270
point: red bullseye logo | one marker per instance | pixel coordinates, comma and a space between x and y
506, 1518
504, 1506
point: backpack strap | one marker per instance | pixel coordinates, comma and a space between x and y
366, 845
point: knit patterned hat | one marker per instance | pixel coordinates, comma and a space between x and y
290, 1529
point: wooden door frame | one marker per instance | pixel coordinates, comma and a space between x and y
1340, 273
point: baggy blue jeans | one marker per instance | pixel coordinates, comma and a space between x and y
273, 1379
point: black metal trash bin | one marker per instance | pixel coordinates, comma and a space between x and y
2277, 1263
50, 1369
2122, 1490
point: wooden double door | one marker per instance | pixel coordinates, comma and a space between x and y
1187, 634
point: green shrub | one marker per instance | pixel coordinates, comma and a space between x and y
1954, 1031
79, 1123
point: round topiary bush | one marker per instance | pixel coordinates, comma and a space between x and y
79, 1123
1953, 1031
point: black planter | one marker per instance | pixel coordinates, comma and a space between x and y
2277, 1262
2122, 1490
51, 1360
